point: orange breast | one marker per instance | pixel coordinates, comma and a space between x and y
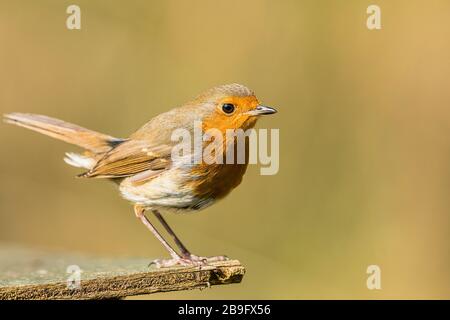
217, 180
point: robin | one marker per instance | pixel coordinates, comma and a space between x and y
144, 168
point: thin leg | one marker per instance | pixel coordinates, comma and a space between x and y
176, 259
184, 251
139, 211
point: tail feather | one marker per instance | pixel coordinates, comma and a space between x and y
90, 140
79, 161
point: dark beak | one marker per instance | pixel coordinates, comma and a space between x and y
262, 110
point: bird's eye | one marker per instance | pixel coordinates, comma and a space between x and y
228, 108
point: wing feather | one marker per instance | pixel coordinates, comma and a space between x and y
130, 158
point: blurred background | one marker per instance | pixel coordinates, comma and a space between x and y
364, 119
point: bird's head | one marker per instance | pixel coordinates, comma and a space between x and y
231, 106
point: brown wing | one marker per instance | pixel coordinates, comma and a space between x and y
131, 158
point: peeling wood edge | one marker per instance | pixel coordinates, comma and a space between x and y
121, 286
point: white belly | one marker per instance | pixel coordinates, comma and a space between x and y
167, 191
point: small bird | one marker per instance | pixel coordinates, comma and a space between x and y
143, 166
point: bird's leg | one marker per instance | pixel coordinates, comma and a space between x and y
176, 258
185, 253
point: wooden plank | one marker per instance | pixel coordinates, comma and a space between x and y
36, 274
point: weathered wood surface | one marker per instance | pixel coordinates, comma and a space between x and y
33, 274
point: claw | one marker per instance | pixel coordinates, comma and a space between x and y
190, 260
183, 262
206, 260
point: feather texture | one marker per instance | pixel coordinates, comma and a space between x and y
90, 140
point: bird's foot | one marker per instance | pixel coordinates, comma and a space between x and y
205, 260
181, 262
188, 260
